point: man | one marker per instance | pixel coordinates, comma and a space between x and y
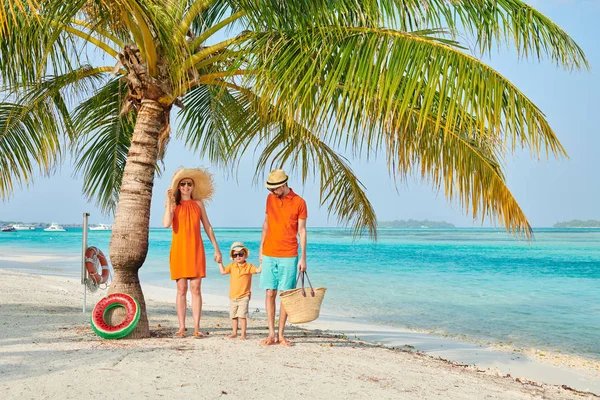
284, 222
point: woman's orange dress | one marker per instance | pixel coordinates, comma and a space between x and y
187, 250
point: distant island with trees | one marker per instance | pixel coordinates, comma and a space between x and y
413, 224
577, 223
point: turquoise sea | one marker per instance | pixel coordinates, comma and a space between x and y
480, 283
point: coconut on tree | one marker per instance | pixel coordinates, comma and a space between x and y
302, 82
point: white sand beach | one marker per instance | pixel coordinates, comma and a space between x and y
48, 350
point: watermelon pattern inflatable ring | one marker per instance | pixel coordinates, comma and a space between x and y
124, 328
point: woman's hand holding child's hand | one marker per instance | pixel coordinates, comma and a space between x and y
218, 257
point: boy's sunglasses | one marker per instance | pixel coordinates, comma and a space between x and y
182, 184
234, 255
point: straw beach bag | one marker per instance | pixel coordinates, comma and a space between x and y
302, 305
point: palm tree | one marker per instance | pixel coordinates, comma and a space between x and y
300, 82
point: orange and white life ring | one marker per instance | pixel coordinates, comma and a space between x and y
94, 258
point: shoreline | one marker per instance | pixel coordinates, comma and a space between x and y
579, 373
534, 363
31, 263
48, 349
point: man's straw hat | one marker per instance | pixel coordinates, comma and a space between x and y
238, 246
276, 178
203, 188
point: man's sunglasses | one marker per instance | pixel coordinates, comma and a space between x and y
182, 184
234, 255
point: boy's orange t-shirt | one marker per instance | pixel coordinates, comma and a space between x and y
240, 279
282, 224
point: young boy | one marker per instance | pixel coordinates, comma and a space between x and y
240, 282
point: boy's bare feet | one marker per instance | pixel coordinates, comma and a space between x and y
232, 336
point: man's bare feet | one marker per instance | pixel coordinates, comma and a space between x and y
232, 336
180, 333
268, 341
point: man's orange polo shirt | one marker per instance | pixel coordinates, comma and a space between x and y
282, 224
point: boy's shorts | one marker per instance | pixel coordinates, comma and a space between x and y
278, 273
238, 308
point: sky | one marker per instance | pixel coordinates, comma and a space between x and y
548, 190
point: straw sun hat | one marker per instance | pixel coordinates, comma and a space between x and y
238, 246
276, 178
203, 188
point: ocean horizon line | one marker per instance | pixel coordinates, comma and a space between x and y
341, 228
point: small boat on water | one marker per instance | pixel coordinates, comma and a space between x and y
101, 227
8, 228
24, 227
54, 227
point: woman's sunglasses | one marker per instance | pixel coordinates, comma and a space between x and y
234, 255
182, 184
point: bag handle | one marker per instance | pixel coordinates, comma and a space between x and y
301, 276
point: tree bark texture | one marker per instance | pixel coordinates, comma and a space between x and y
129, 239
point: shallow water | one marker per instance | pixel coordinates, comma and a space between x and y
481, 283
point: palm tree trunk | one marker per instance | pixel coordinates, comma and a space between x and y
129, 239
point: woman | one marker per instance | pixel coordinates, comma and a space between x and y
184, 209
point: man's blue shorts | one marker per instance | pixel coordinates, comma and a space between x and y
278, 272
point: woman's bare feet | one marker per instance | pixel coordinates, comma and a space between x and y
243, 337
232, 336
285, 342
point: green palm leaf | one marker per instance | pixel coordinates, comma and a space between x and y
509, 22
224, 121
363, 86
28, 144
208, 121
31, 127
104, 137
337, 77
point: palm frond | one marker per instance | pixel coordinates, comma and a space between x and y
374, 83
326, 81
29, 142
464, 164
9, 9
37, 48
104, 137
505, 22
210, 16
32, 125
206, 122
224, 121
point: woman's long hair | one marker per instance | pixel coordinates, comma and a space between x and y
177, 196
